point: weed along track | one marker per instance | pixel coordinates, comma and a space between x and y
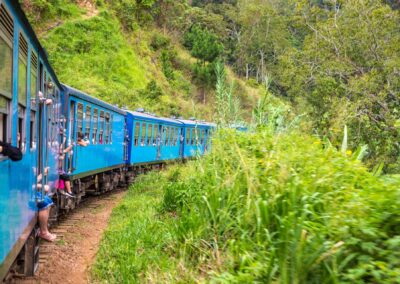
68, 259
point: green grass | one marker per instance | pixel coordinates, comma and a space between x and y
260, 208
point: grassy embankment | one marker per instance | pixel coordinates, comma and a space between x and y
261, 208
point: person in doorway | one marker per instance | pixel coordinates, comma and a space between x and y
65, 181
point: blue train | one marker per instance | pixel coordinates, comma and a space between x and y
39, 115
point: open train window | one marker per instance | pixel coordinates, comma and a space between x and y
107, 128
111, 127
155, 135
22, 91
4, 118
202, 137
143, 132
32, 128
149, 134
166, 135
187, 136
101, 127
137, 132
95, 125
80, 119
88, 122
192, 136
176, 135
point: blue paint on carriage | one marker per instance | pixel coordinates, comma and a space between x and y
149, 139
196, 143
18, 179
106, 145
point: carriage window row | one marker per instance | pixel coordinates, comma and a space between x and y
196, 136
98, 124
148, 134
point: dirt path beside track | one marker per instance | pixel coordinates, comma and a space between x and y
78, 236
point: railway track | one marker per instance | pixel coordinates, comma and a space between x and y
61, 256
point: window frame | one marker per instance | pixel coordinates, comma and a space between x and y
88, 121
136, 133
149, 133
143, 130
79, 118
101, 126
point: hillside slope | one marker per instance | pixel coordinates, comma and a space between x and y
144, 67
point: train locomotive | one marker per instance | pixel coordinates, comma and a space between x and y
38, 114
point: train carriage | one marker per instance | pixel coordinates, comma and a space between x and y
100, 165
153, 139
29, 119
197, 137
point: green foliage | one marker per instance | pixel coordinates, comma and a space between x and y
166, 63
80, 54
260, 208
152, 91
203, 44
41, 12
132, 12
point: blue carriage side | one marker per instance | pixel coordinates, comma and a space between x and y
24, 74
102, 126
152, 139
197, 137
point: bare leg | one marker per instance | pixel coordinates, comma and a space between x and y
43, 219
68, 187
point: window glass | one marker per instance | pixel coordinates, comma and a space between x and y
142, 140
88, 120
149, 134
95, 126
137, 132
193, 136
107, 131
32, 126
176, 136
101, 127
5, 68
155, 136
80, 118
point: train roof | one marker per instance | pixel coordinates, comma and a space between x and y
196, 123
31, 33
81, 95
153, 117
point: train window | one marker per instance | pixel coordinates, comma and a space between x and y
187, 136
149, 134
88, 121
101, 127
192, 136
6, 52
32, 128
33, 89
4, 118
155, 136
202, 137
95, 126
166, 135
107, 128
80, 118
143, 139
21, 139
137, 132
173, 136
176, 136
111, 127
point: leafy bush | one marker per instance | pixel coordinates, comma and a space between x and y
265, 208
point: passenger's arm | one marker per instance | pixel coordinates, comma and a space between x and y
13, 153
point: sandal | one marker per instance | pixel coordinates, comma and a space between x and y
48, 237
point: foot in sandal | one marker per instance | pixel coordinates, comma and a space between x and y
48, 237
